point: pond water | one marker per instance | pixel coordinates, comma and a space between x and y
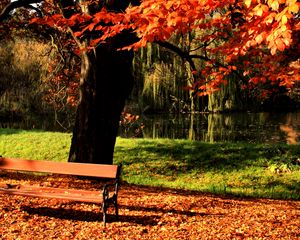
233, 127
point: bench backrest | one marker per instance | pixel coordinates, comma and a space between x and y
69, 168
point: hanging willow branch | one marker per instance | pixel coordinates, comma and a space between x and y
184, 55
189, 58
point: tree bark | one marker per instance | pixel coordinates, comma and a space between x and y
106, 81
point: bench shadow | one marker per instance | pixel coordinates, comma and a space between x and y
160, 210
87, 216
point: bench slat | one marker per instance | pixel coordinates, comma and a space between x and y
68, 195
68, 168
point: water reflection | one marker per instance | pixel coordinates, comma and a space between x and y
236, 127
233, 127
291, 130
47, 123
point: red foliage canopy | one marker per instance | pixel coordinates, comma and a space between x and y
258, 40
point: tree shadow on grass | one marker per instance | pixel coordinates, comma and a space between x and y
9, 131
182, 156
4, 130
175, 160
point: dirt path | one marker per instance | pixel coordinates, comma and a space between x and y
151, 213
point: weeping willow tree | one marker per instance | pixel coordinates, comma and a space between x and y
157, 78
162, 79
228, 98
166, 82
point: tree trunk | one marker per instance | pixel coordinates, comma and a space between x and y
106, 81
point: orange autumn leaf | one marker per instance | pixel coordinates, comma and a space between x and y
280, 44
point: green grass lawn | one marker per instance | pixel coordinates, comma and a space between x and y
256, 170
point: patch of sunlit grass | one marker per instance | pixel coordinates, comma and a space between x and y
36, 144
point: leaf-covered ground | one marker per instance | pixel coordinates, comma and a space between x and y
146, 213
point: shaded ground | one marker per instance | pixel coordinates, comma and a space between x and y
148, 213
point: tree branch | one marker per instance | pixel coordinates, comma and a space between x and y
179, 52
189, 58
16, 4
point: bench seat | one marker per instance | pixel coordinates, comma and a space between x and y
109, 173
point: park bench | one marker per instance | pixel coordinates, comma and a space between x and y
109, 174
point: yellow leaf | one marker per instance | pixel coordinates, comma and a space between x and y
270, 18
259, 12
247, 3
283, 28
265, 8
273, 50
260, 9
259, 39
294, 8
275, 5
284, 19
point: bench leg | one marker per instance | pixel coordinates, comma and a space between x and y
105, 203
116, 209
104, 208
